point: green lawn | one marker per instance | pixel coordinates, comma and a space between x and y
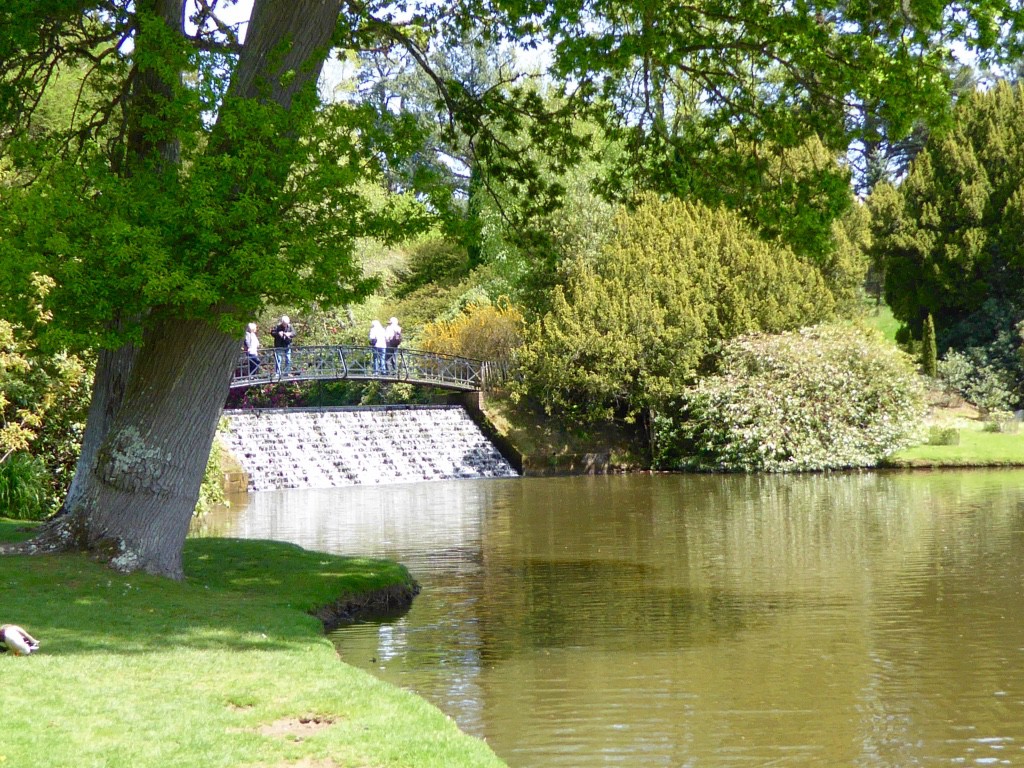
225, 669
880, 317
976, 449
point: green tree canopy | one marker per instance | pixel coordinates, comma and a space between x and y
633, 325
708, 97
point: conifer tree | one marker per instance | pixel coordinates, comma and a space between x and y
632, 326
952, 238
929, 350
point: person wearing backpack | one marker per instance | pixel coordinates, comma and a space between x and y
392, 337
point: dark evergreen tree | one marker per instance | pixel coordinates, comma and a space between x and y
952, 237
929, 350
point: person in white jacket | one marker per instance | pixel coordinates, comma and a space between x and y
251, 345
378, 340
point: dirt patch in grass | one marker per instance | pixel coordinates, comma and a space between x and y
296, 727
950, 410
306, 762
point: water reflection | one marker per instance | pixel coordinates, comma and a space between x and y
868, 619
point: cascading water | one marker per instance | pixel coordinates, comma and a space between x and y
328, 449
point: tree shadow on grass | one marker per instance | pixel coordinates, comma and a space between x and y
238, 595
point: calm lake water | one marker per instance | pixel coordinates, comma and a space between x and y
872, 619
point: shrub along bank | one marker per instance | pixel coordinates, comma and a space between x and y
227, 668
827, 397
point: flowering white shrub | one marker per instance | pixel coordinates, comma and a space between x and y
826, 397
988, 386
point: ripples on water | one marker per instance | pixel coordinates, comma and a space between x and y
855, 620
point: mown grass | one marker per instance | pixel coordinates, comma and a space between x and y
224, 669
975, 449
879, 316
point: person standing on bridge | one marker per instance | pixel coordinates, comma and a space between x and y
251, 345
378, 340
283, 334
392, 338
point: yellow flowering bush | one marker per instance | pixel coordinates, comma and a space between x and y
490, 332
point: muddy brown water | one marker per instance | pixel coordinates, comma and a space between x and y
869, 619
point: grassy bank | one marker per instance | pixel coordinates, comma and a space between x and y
545, 443
960, 436
975, 448
225, 669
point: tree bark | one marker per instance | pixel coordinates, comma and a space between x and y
153, 131
113, 367
135, 510
285, 48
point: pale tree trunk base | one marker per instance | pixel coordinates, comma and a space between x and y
58, 534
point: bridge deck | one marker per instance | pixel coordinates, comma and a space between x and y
333, 363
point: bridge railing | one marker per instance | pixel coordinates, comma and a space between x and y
328, 363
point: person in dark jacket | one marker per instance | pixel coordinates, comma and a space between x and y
283, 334
392, 337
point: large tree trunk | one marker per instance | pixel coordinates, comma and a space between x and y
138, 503
285, 48
113, 367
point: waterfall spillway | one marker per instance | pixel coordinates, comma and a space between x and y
328, 449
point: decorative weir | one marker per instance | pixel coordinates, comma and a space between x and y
326, 449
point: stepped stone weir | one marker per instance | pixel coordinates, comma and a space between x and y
365, 446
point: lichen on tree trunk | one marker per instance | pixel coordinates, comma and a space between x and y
113, 367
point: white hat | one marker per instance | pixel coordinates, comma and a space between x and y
394, 320
284, 319
252, 327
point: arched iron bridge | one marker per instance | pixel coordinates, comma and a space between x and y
358, 363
